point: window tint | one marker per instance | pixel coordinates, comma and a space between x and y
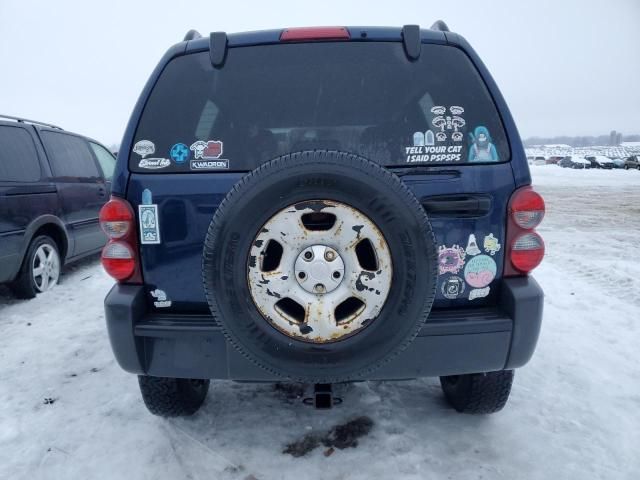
18, 156
105, 159
69, 155
360, 97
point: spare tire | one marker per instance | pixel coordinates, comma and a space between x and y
320, 266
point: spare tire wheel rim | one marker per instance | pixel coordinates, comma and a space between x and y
319, 271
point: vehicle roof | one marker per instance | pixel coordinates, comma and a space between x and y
357, 33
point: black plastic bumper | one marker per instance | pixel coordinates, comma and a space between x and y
452, 341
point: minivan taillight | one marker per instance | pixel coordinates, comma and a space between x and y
525, 248
119, 255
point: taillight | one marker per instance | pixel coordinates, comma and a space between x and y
118, 260
314, 33
525, 248
119, 257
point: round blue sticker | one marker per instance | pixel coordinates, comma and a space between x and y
179, 153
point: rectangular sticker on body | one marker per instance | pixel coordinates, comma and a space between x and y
149, 224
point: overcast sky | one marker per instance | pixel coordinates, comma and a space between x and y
570, 67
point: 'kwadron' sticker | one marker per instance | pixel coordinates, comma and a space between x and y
478, 293
450, 259
206, 155
148, 214
144, 148
453, 287
480, 271
154, 163
160, 298
491, 244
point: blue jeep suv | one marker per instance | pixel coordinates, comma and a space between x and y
323, 205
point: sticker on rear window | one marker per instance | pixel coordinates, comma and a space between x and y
179, 153
206, 155
144, 148
443, 143
447, 120
154, 163
481, 148
472, 246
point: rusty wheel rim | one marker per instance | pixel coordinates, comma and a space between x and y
319, 271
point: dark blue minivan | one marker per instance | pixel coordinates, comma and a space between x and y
322, 205
53, 184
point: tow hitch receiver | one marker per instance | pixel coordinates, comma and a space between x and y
322, 397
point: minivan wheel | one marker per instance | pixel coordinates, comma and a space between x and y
478, 393
40, 269
173, 397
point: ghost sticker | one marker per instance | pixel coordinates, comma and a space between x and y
472, 246
480, 271
453, 287
450, 259
491, 244
481, 148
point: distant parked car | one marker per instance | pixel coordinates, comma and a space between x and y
573, 161
52, 186
632, 162
553, 160
618, 162
539, 161
600, 161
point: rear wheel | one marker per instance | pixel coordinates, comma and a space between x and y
173, 397
40, 269
478, 393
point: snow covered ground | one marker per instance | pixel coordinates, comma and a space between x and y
67, 411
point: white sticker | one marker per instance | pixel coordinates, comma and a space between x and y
149, 224
491, 244
161, 298
154, 163
478, 293
209, 150
453, 287
209, 164
472, 246
446, 122
144, 148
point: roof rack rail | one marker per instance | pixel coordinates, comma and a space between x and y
192, 35
440, 25
33, 122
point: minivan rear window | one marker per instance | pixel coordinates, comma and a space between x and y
360, 97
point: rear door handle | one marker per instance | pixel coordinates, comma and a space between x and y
102, 192
457, 205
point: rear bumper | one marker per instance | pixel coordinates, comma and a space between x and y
452, 342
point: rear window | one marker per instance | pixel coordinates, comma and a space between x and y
359, 97
18, 157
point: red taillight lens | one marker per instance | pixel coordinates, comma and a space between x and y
116, 218
527, 251
525, 248
119, 257
118, 260
314, 33
527, 208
